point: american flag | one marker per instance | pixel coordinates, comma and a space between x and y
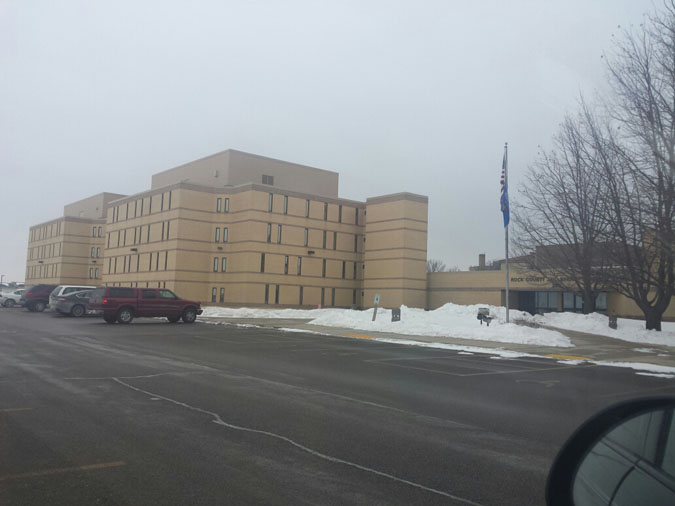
504, 195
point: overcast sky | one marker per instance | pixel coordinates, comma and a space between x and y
415, 96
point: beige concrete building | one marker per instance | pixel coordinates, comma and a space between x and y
240, 229
528, 291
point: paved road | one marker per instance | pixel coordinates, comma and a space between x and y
155, 413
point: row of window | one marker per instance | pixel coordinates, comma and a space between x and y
120, 237
134, 284
270, 207
301, 298
138, 207
45, 231
225, 234
122, 264
219, 205
46, 251
42, 271
93, 273
299, 266
97, 231
95, 252
306, 237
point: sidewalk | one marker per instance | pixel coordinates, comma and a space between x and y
586, 346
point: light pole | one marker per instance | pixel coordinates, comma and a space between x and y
2, 276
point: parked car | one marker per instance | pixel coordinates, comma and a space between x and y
74, 304
65, 290
11, 298
123, 304
36, 297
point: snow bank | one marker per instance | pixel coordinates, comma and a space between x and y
595, 323
451, 320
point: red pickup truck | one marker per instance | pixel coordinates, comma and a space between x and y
122, 304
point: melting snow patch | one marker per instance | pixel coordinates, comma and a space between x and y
656, 375
644, 350
472, 349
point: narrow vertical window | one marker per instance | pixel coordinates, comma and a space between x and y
138, 262
219, 203
301, 294
344, 267
150, 262
356, 218
135, 234
150, 204
115, 265
217, 234
98, 252
135, 208
276, 295
127, 212
269, 232
225, 234
142, 200
354, 297
356, 243
119, 233
354, 273
299, 266
323, 268
161, 206
214, 292
325, 211
148, 238
306, 237
168, 225
324, 239
223, 264
262, 262
166, 259
169, 200
100, 230
334, 240
222, 294
215, 264
286, 265
93, 232
271, 202
96, 276
340, 213
124, 243
93, 250
157, 261
285, 204
332, 296
307, 208
163, 227
267, 294
91, 272
227, 205
109, 262
124, 265
278, 234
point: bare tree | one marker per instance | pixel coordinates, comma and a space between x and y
436, 266
638, 164
559, 215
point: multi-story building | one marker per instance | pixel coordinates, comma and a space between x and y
240, 229
70, 249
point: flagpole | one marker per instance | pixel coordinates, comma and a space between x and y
506, 229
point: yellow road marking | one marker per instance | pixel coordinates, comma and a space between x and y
360, 336
13, 410
567, 357
61, 470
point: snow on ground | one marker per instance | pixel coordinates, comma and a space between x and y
596, 323
451, 320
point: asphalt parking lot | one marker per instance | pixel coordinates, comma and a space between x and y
159, 413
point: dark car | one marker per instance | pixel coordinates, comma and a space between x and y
74, 304
36, 298
122, 304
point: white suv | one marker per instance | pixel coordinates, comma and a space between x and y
65, 290
11, 298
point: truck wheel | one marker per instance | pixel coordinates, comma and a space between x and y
190, 315
39, 306
125, 315
110, 319
173, 319
77, 310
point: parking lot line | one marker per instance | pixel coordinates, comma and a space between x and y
14, 410
61, 470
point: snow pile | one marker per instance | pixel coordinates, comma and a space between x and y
451, 320
595, 323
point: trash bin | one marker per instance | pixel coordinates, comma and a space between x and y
612, 322
396, 314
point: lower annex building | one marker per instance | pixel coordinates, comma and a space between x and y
241, 229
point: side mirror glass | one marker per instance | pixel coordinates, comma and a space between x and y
624, 455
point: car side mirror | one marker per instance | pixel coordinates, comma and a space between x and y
624, 455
